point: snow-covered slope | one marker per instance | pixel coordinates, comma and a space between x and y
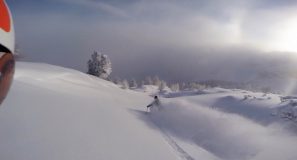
54, 113
229, 126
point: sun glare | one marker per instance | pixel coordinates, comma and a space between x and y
285, 36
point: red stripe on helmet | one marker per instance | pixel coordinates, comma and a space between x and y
4, 17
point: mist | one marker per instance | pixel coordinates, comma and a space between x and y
178, 41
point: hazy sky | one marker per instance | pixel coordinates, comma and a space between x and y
176, 39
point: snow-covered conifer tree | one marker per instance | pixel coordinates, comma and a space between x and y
193, 85
162, 86
148, 80
105, 67
99, 65
156, 81
133, 83
174, 87
142, 84
125, 84
183, 86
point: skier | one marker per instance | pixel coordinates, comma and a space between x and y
155, 103
7, 41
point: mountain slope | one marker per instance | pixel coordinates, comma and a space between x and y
57, 113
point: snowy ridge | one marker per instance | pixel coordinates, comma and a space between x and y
58, 113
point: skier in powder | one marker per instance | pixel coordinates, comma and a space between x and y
155, 103
7, 41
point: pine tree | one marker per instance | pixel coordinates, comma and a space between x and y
162, 86
99, 65
183, 86
125, 84
156, 81
193, 85
142, 84
148, 80
174, 87
133, 83
105, 67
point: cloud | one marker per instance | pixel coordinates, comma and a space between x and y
100, 5
177, 40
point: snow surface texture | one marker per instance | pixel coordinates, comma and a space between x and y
54, 113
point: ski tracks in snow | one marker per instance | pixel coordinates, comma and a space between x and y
182, 154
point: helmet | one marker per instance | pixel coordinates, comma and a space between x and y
6, 28
7, 44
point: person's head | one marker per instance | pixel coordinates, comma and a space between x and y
156, 97
7, 46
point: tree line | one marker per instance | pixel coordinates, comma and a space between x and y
99, 65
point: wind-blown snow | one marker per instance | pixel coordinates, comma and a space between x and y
57, 113
226, 135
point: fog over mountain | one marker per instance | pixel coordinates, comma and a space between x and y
177, 40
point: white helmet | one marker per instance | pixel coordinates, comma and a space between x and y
7, 46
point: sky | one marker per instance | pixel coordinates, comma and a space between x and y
178, 40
